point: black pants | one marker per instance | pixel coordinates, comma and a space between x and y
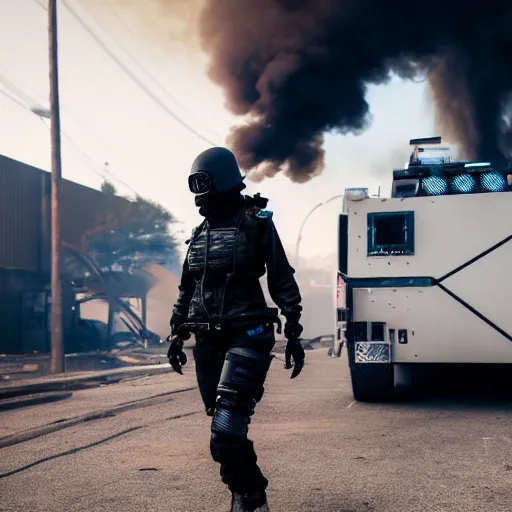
236, 456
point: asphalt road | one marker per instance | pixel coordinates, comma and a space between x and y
321, 450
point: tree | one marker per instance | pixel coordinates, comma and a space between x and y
108, 188
133, 237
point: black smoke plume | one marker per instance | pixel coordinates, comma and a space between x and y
297, 69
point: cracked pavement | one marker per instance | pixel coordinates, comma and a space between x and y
321, 450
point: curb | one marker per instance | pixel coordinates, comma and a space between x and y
76, 382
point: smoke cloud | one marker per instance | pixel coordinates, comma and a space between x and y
298, 69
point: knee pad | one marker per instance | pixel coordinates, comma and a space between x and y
230, 422
240, 388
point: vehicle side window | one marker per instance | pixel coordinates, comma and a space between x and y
391, 234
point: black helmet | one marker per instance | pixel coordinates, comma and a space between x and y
214, 171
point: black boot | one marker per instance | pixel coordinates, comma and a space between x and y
236, 503
255, 502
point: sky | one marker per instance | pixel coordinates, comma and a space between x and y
107, 115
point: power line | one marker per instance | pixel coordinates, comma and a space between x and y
18, 92
149, 75
79, 152
102, 141
82, 155
72, 144
138, 64
134, 77
86, 159
41, 98
90, 162
79, 122
134, 60
40, 4
13, 99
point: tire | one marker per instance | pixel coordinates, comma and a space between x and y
372, 382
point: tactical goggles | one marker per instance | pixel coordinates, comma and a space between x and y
200, 183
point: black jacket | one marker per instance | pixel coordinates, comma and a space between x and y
239, 248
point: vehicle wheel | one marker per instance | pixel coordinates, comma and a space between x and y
372, 382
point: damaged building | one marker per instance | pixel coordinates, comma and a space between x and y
97, 305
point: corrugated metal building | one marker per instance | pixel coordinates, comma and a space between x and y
25, 247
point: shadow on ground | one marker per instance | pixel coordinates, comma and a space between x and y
456, 387
31, 400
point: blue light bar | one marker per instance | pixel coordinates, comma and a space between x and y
463, 183
493, 182
434, 185
430, 172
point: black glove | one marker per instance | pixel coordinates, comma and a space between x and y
294, 349
292, 330
178, 327
176, 355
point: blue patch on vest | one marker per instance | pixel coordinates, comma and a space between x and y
255, 332
264, 214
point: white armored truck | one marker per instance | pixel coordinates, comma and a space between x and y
426, 275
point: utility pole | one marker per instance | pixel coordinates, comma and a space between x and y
57, 339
